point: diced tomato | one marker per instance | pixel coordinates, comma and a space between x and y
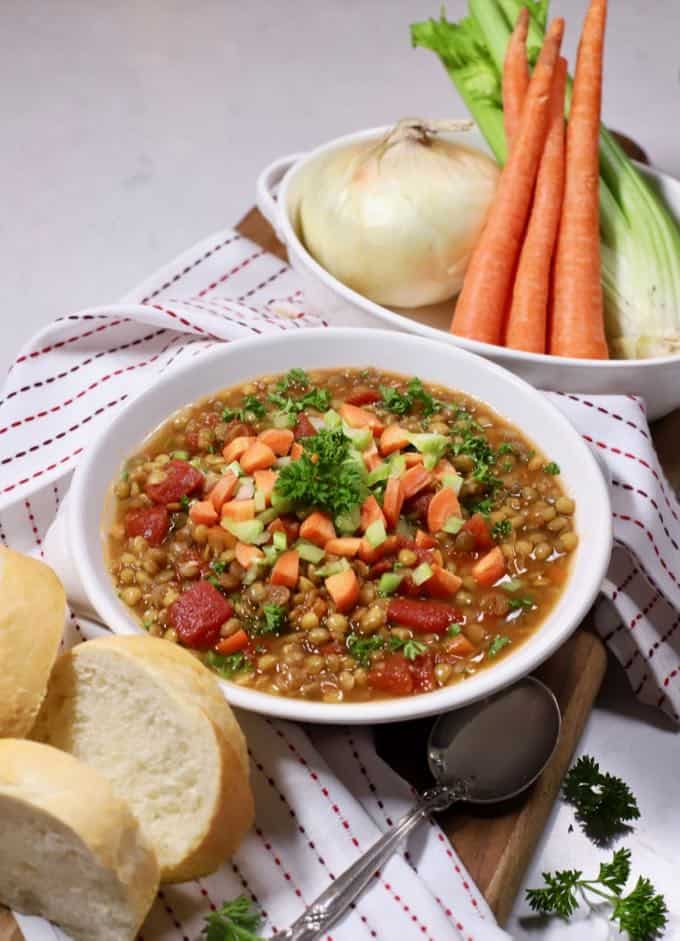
422, 671
198, 614
392, 675
383, 565
363, 396
442, 584
150, 522
181, 479
425, 540
304, 427
478, 526
422, 616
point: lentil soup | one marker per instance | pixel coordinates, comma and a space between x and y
342, 535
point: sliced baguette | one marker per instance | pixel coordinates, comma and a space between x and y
32, 613
153, 720
70, 850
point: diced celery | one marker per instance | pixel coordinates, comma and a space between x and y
397, 465
378, 474
283, 420
270, 555
260, 501
332, 568
348, 523
422, 574
389, 582
235, 468
179, 455
268, 516
309, 552
282, 504
376, 533
512, 584
429, 442
453, 481
332, 420
280, 540
360, 437
453, 525
244, 530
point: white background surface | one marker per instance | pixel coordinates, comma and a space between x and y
133, 129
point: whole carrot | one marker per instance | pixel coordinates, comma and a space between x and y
482, 304
515, 75
578, 309
527, 322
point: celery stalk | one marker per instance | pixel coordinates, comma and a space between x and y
640, 239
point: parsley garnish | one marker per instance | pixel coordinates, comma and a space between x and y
214, 580
453, 631
184, 502
642, 913
416, 393
603, 803
551, 468
484, 506
296, 378
517, 603
470, 441
501, 529
274, 619
333, 483
505, 448
234, 921
229, 665
497, 644
317, 399
219, 567
410, 648
251, 409
361, 647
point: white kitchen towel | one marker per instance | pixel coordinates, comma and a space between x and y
319, 803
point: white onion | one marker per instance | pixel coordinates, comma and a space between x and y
396, 219
246, 490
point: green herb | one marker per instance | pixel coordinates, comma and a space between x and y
505, 448
184, 502
506, 467
604, 804
228, 665
497, 644
453, 631
275, 616
317, 399
484, 506
410, 647
251, 409
297, 378
470, 441
551, 468
214, 580
516, 604
501, 529
361, 647
234, 921
641, 914
334, 483
402, 402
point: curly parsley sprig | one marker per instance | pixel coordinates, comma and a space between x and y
604, 804
642, 913
236, 920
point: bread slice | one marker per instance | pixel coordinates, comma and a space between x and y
70, 850
153, 720
32, 613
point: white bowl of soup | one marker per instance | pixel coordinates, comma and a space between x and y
344, 525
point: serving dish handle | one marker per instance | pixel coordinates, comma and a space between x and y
266, 183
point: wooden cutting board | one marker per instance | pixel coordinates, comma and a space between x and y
496, 844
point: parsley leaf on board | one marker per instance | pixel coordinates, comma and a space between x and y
234, 921
333, 482
642, 913
604, 804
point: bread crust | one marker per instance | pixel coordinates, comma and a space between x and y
32, 615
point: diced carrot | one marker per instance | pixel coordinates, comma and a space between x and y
347, 546
442, 584
265, 481
393, 501
203, 513
357, 417
237, 447
412, 458
370, 513
425, 540
460, 646
393, 438
442, 505
343, 589
371, 554
247, 555
239, 509
224, 490
371, 458
445, 469
296, 451
317, 528
259, 456
490, 567
280, 440
237, 641
414, 480
286, 569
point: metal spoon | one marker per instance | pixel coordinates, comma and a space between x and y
484, 753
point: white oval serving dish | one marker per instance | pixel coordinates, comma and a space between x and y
656, 380
77, 535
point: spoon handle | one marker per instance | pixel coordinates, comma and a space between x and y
336, 899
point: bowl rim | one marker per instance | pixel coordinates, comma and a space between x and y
401, 321
536, 649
